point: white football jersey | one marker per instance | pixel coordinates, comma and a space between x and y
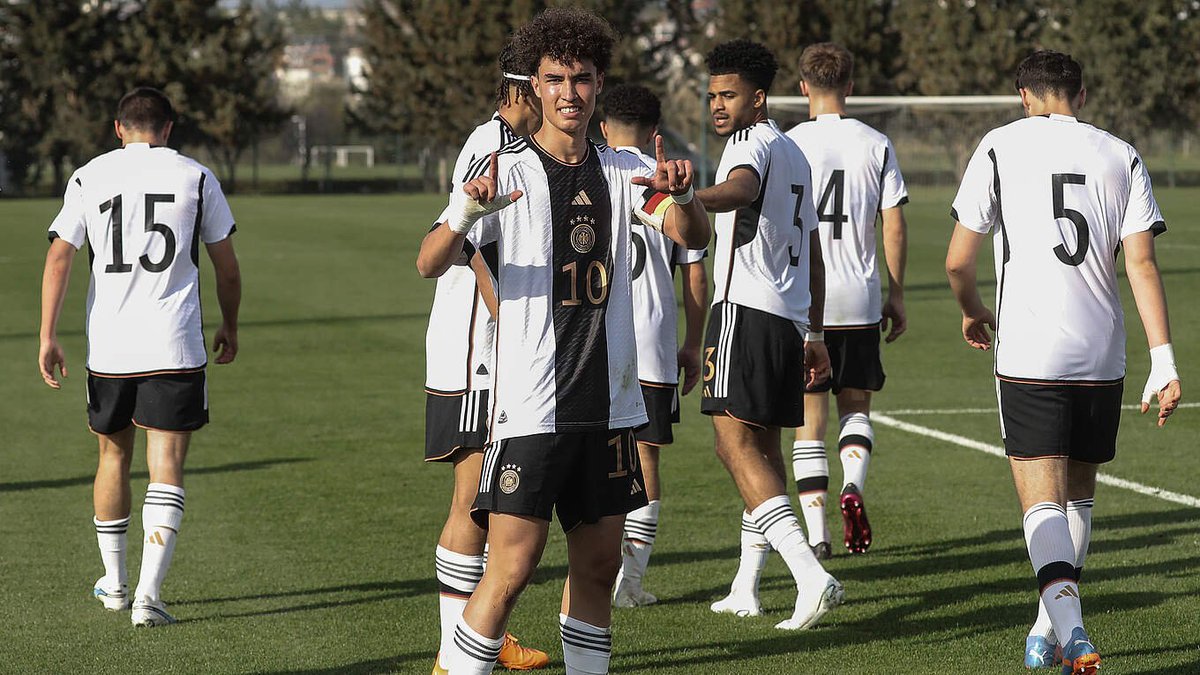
143, 212
856, 175
458, 342
566, 359
762, 253
655, 312
1061, 196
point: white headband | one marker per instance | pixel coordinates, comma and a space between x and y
511, 76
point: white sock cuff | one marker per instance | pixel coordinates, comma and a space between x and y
475, 646
1048, 538
586, 648
857, 424
648, 512
642, 524
163, 507
457, 572
771, 510
1080, 504
1042, 511
119, 526
808, 450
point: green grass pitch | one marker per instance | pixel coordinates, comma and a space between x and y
311, 520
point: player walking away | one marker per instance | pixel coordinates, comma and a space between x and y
458, 369
765, 332
855, 172
565, 383
1063, 197
632, 114
143, 211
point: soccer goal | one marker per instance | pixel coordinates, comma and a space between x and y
934, 136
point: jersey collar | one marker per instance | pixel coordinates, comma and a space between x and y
829, 117
1060, 118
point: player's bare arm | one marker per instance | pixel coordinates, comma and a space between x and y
738, 191
686, 223
816, 355
55, 277
478, 198
960, 269
695, 306
1141, 267
229, 297
895, 252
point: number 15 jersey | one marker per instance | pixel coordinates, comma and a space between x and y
1061, 196
143, 212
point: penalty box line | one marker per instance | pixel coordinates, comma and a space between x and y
979, 411
995, 450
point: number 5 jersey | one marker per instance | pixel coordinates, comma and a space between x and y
143, 212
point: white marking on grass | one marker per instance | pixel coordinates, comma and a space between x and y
976, 411
997, 451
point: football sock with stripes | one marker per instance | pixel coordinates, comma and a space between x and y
641, 527
755, 549
473, 654
586, 648
111, 537
162, 514
854, 448
777, 521
1048, 538
458, 574
811, 468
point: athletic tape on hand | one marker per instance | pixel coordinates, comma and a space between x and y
469, 211
1162, 371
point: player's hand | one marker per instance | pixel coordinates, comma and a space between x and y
225, 344
893, 313
975, 329
50, 356
673, 176
479, 198
689, 362
816, 363
1168, 400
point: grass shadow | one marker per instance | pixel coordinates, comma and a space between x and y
53, 483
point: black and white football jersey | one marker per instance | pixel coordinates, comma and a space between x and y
856, 175
1060, 196
143, 212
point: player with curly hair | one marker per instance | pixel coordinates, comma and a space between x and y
552, 216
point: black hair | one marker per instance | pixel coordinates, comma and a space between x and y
633, 104
513, 62
567, 35
145, 109
1050, 73
751, 60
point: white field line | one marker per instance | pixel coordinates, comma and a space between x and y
975, 411
963, 441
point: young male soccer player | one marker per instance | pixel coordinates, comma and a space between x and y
458, 369
143, 211
632, 114
1064, 198
565, 384
764, 338
855, 170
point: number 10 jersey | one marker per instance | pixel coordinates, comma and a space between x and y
143, 212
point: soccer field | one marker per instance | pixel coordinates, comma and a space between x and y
311, 520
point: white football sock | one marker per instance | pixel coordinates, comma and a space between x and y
162, 514
777, 521
1048, 538
811, 468
1079, 519
458, 574
472, 653
755, 549
111, 537
587, 649
854, 448
641, 527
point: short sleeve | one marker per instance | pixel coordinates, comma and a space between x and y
1142, 212
687, 256
70, 224
750, 153
975, 204
892, 191
216, 220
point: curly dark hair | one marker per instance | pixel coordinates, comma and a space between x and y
633, 104
567, 35
751, 60
513, 62
1047, 72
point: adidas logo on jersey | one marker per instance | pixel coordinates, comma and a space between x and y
482, 370
581, 199
1068, 592
502, 418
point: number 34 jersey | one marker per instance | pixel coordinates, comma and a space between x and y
565, 354
143, 212
1061, 196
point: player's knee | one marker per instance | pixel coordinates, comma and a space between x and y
599, 570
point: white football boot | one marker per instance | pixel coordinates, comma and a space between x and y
114, 597
149, 613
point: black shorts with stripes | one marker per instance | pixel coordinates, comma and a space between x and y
753, 367
1060, 420
454, 421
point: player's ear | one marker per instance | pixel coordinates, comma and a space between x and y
604, 129
599, 82
803, 88
118, 130
1081, 99
760, 98
166, 132
849, 88
1024, 98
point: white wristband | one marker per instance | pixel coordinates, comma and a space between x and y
815, 336
465, 211
1162, 371
684, 198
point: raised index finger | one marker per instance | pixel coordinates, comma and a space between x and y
492, 167
659, 153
